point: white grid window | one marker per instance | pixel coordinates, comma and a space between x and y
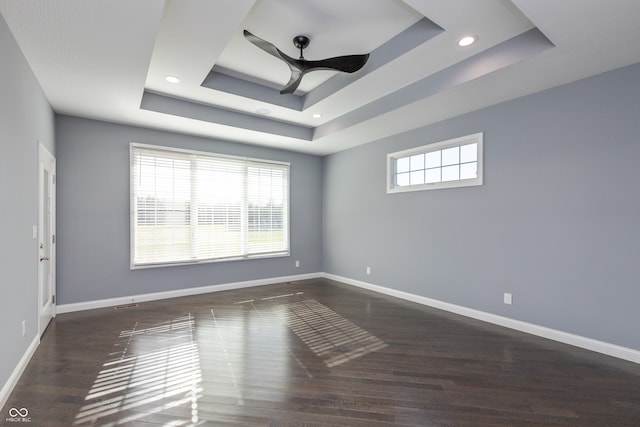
190, 207
447, 164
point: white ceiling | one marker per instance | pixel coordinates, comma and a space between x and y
107, 59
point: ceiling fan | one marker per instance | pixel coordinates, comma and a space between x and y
299, 67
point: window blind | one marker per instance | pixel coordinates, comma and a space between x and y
190, 207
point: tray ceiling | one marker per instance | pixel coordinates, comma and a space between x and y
108, 59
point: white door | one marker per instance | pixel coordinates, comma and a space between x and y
46, 237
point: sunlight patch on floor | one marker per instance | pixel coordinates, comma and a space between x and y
151, 373
330, 336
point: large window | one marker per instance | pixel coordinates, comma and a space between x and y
190, 207
446, 164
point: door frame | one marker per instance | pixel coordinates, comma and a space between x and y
47, 311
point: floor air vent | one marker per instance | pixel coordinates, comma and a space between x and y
125, 306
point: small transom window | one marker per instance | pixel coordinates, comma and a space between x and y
446, 164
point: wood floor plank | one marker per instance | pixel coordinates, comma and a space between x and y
312, 353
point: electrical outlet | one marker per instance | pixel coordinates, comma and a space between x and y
24, 328
368, 270
508, 298
297, 264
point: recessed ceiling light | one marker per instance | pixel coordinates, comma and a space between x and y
172, 79
467, 41
317, 116
263, 111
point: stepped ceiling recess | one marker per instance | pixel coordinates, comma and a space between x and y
109, 59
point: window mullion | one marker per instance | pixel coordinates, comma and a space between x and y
193, 208
244, 213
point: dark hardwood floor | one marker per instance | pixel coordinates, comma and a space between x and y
312, 353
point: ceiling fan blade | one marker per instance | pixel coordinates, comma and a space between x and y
346, 64
294, 81
299, 67
294, 64
267, 47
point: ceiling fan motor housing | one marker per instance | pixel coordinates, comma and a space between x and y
301, 42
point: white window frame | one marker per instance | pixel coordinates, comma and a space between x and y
132, 215
437, 146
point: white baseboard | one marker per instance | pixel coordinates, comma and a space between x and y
614, 350
110, 302
17, 372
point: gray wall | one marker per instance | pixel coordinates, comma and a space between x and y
25, 119
557, 222
93, 215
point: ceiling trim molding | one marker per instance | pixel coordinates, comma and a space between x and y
206, 113
516, 49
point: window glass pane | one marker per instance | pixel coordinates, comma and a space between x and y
469, 153
266, 214
469, 170
450, 156
451, 173
402, 165
417, 162
417, 177
433, 159
402, 179
432, 175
